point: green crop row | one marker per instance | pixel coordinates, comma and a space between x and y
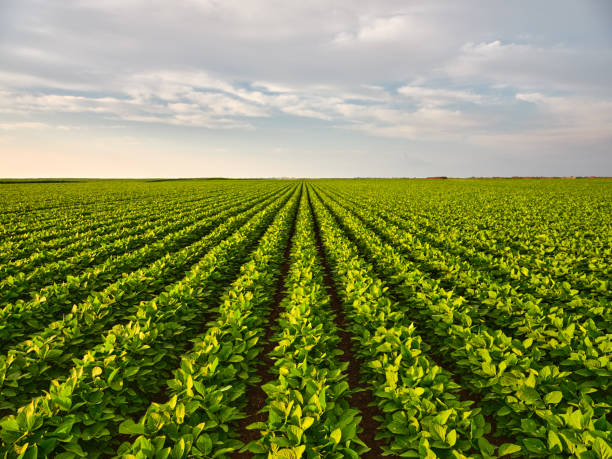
421, 411
307, 412
116, 378
107, 227
86, 263
33, 315
531, 399
306, 319
208, 389
550, 273
30, 366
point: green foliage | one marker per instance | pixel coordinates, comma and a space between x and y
133, 317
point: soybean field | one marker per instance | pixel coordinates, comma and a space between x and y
306, 318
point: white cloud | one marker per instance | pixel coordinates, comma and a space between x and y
434, 97
272, 87
528, 67
463, 72
569, 119
423, 124
373, 30
177, 98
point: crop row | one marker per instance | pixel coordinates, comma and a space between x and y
208, 390
50, 302
29, 366
504, 305
420, 404
117, 378
539, 267
69, 229
98, 256
550, 409
80, 232
307, 409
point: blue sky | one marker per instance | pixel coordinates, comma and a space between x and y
149, 88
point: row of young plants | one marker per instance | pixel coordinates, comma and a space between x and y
571, 234
541, 269
307, 408
501, 305
81, 222
38, 197
421, 407
536, 275
25, 252
72, 230
130, 221
563, 334
81, 416
43, 206
571, 332
530, 398
21, 223
28, 368
52, 228
209, 387
556, 216
102, 258
26, 317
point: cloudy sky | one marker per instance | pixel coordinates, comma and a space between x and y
150, 88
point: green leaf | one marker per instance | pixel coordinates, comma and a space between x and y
529, 426
602, 448
534, 445
528, 395
307, 422
575, 420
485, 446
451, 438
178, 450
553, 397
508, 448
129, 427
180, 413
31, 453
554, 442
75, 448
257, 426
204, 444
336, 435
443, 416
256, 448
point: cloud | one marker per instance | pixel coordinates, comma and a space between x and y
527, 66
574, 119
377, 30
423, 124
434, 97
381, 75
187, 98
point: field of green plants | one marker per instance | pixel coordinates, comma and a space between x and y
306, 318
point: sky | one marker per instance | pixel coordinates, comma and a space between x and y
201, 88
